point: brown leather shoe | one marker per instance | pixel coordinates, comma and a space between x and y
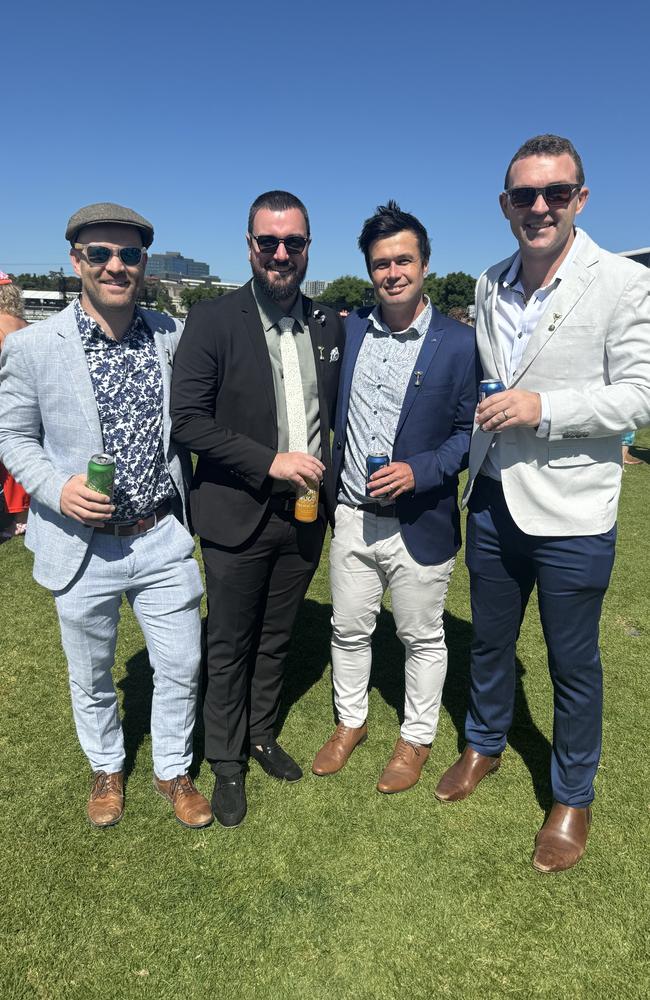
106, 803
561, 842
190, 807
403, 769
461, 778
335, 754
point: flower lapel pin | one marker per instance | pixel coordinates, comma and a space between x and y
334, 354
319, 316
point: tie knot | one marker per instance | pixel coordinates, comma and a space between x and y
286, 324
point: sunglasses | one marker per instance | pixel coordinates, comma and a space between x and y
98, 254
555, 195
292, 244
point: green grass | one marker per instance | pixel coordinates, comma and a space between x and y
328, 890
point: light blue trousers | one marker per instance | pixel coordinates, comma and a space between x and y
161, 580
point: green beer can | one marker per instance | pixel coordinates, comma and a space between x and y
101, 474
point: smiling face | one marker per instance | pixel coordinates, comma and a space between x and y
279, 273
397, 271
112, 286
543, 233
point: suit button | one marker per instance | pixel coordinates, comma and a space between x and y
338, 444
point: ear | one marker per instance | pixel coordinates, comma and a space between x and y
74, 260
582, 199
250, 245
425, 269
503, 202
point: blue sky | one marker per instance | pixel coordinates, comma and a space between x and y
187, 111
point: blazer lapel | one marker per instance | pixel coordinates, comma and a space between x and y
353, 342
255, 331
563, 301
77, 366
493, 340
165, 361
432, 340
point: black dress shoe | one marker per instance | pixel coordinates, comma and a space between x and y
229, 799
276, 762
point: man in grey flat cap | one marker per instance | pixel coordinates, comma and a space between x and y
95, 379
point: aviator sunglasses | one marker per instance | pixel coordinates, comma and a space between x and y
555, 195
292, 244
98, 254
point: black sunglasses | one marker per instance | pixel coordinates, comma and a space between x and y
555, 195
98, 254
292, 244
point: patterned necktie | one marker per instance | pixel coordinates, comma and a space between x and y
294, 395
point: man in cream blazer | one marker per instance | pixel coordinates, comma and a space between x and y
565, 326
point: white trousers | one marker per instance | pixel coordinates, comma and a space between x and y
368, 555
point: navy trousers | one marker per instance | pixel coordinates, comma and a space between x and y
572, 575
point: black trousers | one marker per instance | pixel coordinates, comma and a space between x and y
254, 593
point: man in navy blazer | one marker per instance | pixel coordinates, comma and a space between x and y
408, 390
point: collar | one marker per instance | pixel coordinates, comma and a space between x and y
271, 313
92, 329
419, 327
510, 279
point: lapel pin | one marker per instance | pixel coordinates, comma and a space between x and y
556, 317
319, 316
321, 348
418, 377
334, 354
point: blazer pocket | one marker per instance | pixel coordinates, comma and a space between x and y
565, 454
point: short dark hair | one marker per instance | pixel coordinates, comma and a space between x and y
277, 201
548, 145
388, 220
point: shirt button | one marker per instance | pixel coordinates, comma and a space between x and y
379, 387
374, 412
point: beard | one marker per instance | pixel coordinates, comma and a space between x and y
286, 282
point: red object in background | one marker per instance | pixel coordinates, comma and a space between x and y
15, 499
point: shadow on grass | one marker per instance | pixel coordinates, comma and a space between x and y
308, 657
524, 737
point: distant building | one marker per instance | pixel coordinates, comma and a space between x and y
173, 265
41, 303
641, 256
312, 289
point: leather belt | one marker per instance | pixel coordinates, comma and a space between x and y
123, 529
379, 510
282, 502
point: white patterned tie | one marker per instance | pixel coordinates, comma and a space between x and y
294, 395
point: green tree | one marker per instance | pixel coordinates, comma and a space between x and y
163, 301
346, 291
456, 289
191, 295
432, 287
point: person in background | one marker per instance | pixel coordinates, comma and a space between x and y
14, 499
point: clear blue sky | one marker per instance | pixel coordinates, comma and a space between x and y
187, 111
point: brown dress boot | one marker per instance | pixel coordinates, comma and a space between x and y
190, 807
561, 842
403, 769
106, 803
335, 754
461, 778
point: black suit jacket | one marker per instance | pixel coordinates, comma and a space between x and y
223, 409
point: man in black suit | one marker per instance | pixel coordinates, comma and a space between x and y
241, 398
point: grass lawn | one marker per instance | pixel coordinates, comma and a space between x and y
328, 890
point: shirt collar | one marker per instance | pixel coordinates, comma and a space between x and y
511, 280
271, 313
419, 325
92, 329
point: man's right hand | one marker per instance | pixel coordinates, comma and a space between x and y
83, 504
297, 468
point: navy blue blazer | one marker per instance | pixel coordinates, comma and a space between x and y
433, 431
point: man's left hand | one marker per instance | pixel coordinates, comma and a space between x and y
512, 408
392, 481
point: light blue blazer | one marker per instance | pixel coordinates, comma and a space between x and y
49, 428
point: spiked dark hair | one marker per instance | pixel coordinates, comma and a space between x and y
388, 220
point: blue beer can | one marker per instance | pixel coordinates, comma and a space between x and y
488, 387
374, 462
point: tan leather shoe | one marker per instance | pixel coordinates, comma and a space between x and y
106, 803
461, 778
190, 807
561, 842
403, 769
335, 754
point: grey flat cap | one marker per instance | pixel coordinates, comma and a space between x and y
106, 211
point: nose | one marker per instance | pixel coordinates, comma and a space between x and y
393, 271
281, 252
539, 205
115, 263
